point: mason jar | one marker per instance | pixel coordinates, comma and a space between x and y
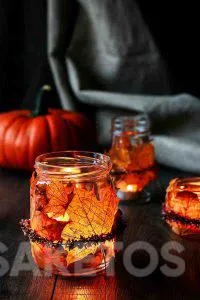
181, 209
133, 157
73, 213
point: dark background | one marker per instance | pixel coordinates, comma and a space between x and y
23, 59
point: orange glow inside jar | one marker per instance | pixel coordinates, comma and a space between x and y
73, 213
181, 209
132, 155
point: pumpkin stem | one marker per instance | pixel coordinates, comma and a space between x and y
41, 107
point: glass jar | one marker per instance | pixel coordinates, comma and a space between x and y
133, 156
181, 209
73, 213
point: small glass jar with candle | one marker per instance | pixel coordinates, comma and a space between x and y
181, 209
133, 157
73, 213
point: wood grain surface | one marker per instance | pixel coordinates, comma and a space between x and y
144, 224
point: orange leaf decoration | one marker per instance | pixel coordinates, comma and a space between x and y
139, 156
46, 227
59, 196
93, 255
48, 258
74, 212
33, 181
90, 216
146, 156
78, 254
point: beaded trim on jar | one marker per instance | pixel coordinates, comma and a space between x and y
82, 242
169, 215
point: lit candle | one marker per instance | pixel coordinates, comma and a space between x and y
133, 156
131, 188
181, 209
127, 191
70, 170
74, 213
127, 187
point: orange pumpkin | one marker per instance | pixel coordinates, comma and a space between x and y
24, 134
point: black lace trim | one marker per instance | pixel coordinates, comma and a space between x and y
172, 216
82, 242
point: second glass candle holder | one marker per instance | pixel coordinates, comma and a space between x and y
133, 157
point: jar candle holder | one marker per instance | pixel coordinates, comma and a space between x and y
73, 215
133, 157
181, 209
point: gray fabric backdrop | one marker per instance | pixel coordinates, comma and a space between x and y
102, 53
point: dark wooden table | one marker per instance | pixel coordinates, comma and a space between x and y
143, 224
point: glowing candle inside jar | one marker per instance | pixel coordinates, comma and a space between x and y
127, 191
127, 187
182, 206
131, 188
71, 170
133, 156
74, 213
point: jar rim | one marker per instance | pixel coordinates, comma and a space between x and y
137, 122
185, 184
72, 164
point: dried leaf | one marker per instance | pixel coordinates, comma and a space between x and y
40, 197
89, 216
146, 156
77, 254
92, 256
52, 260
132, 158
46, 227
33, 182
59, 195
84, 214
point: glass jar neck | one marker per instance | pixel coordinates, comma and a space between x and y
73, 165
138, 125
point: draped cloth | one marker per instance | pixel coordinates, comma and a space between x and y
102, 53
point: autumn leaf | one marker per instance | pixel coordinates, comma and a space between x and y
80, 214
90, 216
50, 259
59, 195
40, 198
93, 256
132, 157
33, 181
46, 227
108, 206
146, 156
86, 212
120, 158
77, 254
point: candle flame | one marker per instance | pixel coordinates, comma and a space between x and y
123, 186
71, 170
131, 188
